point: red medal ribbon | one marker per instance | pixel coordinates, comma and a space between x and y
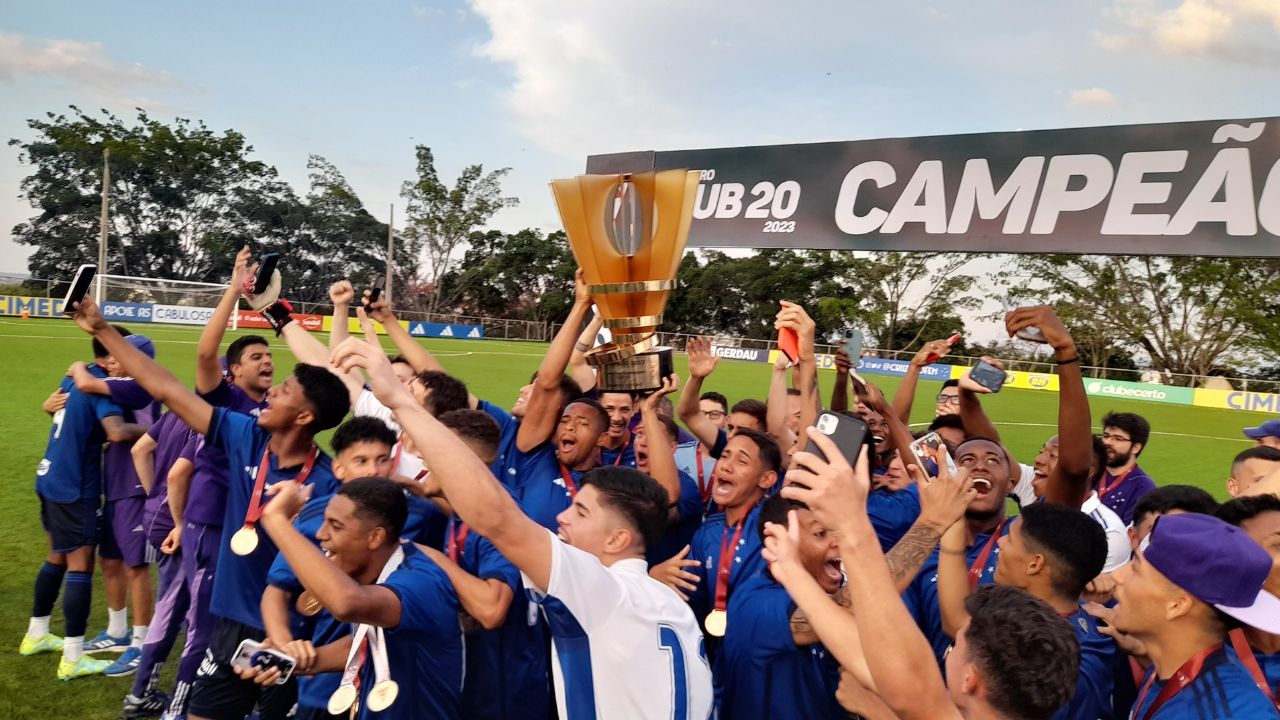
255, 500
618, 460
569, 484
1104, 487
1250, 663
705, 483
1183, 677
727, 554
395, 459
975, 570
458, 532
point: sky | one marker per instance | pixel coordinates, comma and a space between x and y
537, 85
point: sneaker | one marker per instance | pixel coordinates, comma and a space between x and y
83, 667
126, 664
105, 643
153, 703
46, 643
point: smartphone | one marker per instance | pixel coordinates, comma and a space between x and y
924, 448
266, 266
852, 343
789, 344
375, 290
1030, 334
250, 655
79, 288
951, 342
988, 376
848, 433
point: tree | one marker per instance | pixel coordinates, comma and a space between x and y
897, 291
1190, 315
524, 275
181, 196
440, 218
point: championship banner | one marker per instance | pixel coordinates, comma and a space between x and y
32, 306
126, 312
1191, 188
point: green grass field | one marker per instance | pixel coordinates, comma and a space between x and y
1189, 445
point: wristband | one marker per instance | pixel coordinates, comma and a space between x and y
1068, 361
277, 314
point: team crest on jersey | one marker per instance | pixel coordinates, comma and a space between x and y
1084, 626
43, 467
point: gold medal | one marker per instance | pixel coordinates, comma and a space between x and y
342, 699
384, 693
716, 623
355, 709
245, 541
308, 605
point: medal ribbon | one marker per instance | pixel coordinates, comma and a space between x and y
1183, 677
723, 570
1104, 487
457, 538
975, 570
254, 513
618, 460
1250, 663
569, 484
377, 645
704, 483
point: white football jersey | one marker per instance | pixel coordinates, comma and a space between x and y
1118, 550
624, 646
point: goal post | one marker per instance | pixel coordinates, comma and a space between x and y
164, 293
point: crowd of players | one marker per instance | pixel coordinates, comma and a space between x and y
597, 554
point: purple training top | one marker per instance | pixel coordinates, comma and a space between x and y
120, 479
208, 498
174, 441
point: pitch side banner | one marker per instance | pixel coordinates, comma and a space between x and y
1190, 188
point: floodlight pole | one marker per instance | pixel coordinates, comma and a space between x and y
102, 226
391, 234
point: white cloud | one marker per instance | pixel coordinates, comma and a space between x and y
1237, 30
82, 63
1094, 97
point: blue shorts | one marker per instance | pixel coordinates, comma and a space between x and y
72, 525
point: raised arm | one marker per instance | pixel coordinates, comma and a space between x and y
420, 358
974, 418
476, 496
307, 349
208, 369
906, 393
151, 375
579, 370
701, 364
340, 294
899, 434
347, 600
542, 411
840, 391
837, 494
806, 374
1068, 483
85, 381
953, 579
776, 406
662, 459
943, 502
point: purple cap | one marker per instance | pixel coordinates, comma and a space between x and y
1217, 563
1270, 428
143, 343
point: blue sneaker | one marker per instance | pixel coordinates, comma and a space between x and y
105, 643
126, 664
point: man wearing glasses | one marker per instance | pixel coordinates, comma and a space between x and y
1124, 483
948, 399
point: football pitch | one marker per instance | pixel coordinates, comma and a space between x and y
1188, 445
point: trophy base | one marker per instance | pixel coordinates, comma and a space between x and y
638, 373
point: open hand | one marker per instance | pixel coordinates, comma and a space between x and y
673, 574
701, 362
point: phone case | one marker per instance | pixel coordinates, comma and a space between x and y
789, 344
266, 266
250, 654
79, 288
924, 447
988, 376
848, 433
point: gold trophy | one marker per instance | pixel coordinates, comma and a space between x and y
628, 234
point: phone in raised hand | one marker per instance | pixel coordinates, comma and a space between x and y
926, 447
79, 288
1029, 333
988, 376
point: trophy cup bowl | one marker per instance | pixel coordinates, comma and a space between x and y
628, 234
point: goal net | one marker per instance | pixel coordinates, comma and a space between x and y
182, 302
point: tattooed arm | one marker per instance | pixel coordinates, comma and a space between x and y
907, 557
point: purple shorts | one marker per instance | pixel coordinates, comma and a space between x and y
124, 535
